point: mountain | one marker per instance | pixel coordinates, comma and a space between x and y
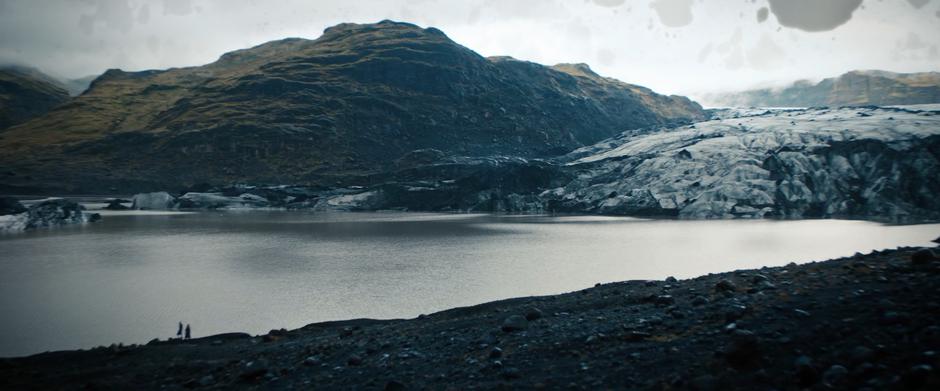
856, 88
329, 111
26, 93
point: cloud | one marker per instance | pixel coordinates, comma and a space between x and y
143, 14
762, 14
673, 13
766, 54
732, 50
606, 57
177, 7
918, 3
631, 41
704, 53
813, 15
114, 15
609, 3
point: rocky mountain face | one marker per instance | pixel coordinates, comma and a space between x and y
866, 162
338, 110
26, 93
856, 88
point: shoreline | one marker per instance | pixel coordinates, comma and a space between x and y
850, 322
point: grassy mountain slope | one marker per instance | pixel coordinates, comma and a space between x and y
320, 112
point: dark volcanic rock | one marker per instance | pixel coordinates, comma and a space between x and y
58, 211
117, 204
349, 104
514, 323
923, 257
46, 213
10, 206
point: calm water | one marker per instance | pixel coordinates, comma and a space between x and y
130, 278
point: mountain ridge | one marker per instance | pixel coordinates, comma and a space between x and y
853, 88
320, 112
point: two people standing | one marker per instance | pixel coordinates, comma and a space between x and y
179, 332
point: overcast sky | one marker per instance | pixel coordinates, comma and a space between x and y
673, 46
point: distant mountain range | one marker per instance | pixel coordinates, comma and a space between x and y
331, 111
856, 88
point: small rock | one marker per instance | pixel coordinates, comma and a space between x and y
893, 317
744, 351
861, 354
735, 312
515, 323
704, 383
254, 369
834, 376
806, 373
354, 360
533, 314
394, 385
511, 373
312, 361
923, 257
725, 286
699, 300
206, 381
496, 353
917, 376
635, 336
664, 300
671, 280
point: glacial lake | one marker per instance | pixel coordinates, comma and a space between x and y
133, 276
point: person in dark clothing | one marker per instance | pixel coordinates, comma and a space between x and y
179, 331
187, 331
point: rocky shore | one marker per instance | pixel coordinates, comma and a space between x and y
862, 322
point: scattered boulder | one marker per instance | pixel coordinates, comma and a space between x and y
806, 373
496, 353
514, 323
834, 376
117, 204
744, 351
725, 285
58, 211
533, 314
923, 257
253, 370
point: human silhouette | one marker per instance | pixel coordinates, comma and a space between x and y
187, 331
179, 331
